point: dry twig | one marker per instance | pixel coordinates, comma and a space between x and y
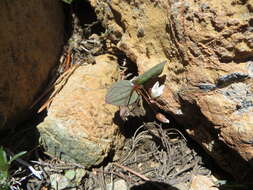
132, 171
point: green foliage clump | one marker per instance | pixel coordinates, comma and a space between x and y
123, 92
4, 168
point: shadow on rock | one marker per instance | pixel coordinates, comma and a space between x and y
153, 185
236, 187
23, 137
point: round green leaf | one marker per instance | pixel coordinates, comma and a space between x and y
121, 93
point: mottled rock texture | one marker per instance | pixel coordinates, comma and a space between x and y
31, 41
209, 49
79, 126
200, 182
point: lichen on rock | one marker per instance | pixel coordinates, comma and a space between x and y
79, 126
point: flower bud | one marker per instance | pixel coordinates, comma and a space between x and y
156, 90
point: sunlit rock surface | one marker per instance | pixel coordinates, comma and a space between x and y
209, 49
79, 126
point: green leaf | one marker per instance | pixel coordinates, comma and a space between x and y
67, 1
16, 156
4, 165
153, 72
4, 185
121, 93
4, 175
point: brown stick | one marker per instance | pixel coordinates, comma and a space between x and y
122, 176
132, 171
63, 78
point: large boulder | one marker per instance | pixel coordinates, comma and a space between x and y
209, 49
80, 126
31, 42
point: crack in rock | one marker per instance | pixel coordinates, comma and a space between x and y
231, 78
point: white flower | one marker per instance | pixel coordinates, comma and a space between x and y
157, 90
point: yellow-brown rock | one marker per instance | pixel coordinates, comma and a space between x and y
201, 182
79, 126
31, 41
209, 49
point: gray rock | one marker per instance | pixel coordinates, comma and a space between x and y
230, 78
118, 185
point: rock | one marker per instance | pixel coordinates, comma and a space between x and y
79, 126
181, 186
31, 42
119, 185
208, 47
69, 180
60, 182
200, 182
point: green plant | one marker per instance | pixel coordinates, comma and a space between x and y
68, 1
5, 164
125, 92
